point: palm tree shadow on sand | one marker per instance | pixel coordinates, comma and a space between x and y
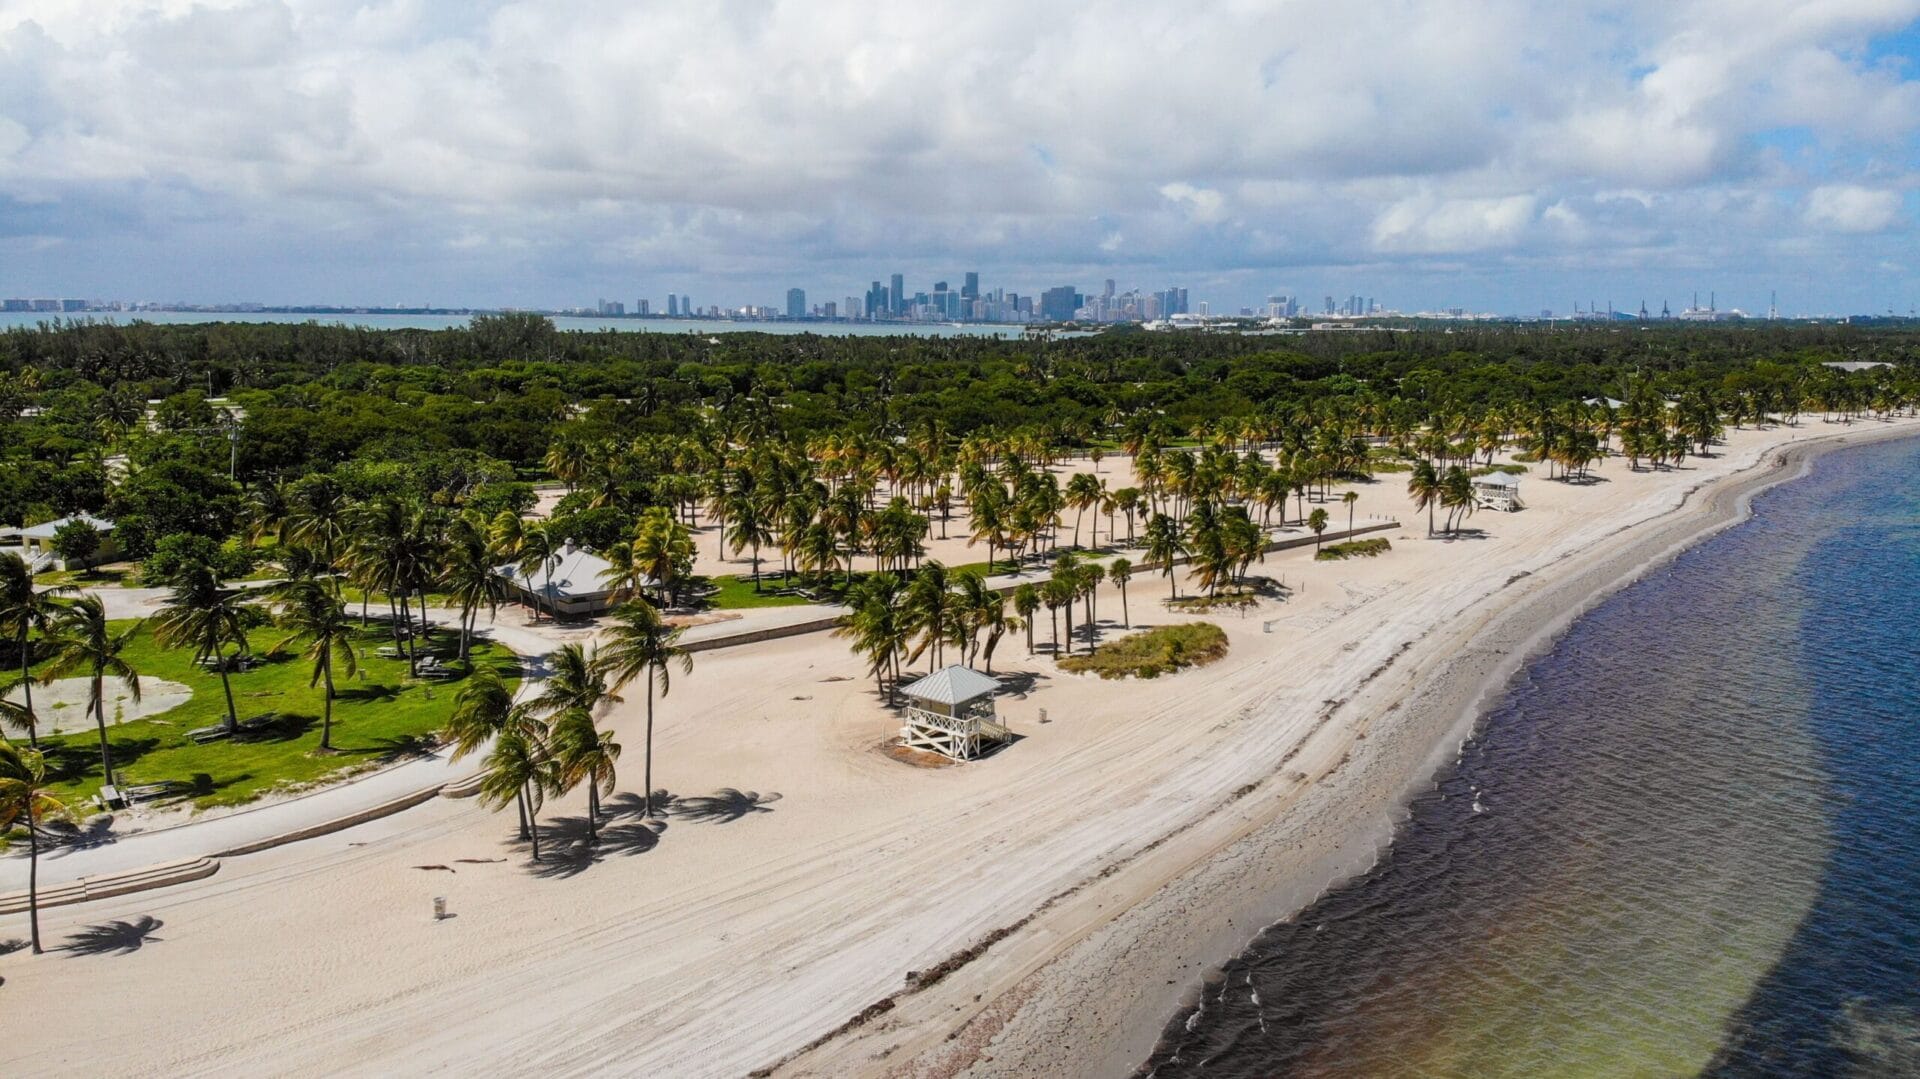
114, 938
566, 852
723, 806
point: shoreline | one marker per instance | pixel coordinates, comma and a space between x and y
1104, 988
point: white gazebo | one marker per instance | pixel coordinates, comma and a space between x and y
572, 585
37, 549
952, 713
1497, 491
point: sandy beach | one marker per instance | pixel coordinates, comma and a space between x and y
1068, 892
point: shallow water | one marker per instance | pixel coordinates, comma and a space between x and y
1687, 838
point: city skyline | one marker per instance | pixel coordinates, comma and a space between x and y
1501, 157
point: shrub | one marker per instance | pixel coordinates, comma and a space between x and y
1364, 548
1151, 653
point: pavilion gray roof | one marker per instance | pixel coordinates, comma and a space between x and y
46, 530
953, 686
1497, 479
577, 572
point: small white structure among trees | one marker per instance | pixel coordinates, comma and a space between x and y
1497, 491
951, 713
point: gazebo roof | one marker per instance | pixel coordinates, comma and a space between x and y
576, 573
49, 528
1497, 479
953, 685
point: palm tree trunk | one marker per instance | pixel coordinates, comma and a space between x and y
533, 823
593, 812
520, 803
33, 877
326, 710
26, 687
100, 720
1125, 622
648, 800
233, 719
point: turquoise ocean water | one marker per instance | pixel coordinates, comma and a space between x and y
1686, 840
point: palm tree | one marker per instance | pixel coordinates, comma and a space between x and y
878, 627
1164, 544
1056, 593
1120, 571
482, 711
205, 617
582, 753
23, 611
1350, 498
748, 527
26, 800
467, 573
577, 681
1456, 493
662, 549
1424, 486
538, 548
83, 643
1026, 600
518, 770
310, 613
931, 609
1317, 520
1084, 490
642, 644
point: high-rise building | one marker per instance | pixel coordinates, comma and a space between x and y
1059, 304
796, 303
643, 307
673, 305
970, 287
899, 295
1107, 292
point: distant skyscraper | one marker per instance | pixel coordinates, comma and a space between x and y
1107, 292
643, 307
899, 294
970, 287
673, 305
796, 303
1058, 304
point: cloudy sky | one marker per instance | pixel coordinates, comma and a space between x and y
1492, 154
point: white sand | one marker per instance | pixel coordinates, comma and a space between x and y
1152, 826
61, 706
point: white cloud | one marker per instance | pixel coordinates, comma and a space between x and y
1202, 204
1428, 226
769, 138
1849, 208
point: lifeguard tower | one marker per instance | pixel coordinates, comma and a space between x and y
1497, 491
951, 713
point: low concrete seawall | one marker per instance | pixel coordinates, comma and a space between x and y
112, 884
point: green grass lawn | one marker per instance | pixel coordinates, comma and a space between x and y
378, 717
736, 593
